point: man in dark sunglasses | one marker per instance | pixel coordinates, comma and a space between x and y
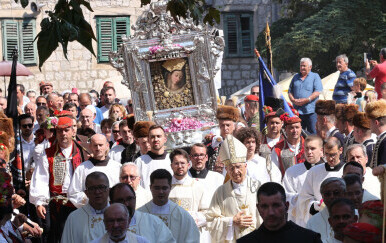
26, 122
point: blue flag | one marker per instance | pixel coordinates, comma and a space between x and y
266, 83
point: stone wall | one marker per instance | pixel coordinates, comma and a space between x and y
81, 70
240, 72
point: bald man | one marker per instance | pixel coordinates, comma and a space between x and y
99, 161
30, 109
86, 118
52, 103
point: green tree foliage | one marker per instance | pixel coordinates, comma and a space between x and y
334, 27
66, 23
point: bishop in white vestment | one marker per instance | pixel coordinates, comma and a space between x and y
236, 199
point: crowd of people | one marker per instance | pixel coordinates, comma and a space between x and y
93, 173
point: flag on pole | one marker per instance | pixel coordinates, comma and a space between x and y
267, 83
269, 48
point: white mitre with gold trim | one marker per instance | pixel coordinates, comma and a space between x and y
232, 151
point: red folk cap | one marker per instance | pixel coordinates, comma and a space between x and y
64, 122
251, 98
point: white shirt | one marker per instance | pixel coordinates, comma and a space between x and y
105, 112
272, 141
28, 148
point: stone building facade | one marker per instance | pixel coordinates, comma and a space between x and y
241, 69
84, 71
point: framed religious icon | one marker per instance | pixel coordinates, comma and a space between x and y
169, 68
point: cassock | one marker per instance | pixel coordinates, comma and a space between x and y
293, 180
150, 162
309, 195
289, 233
177, 219
130, 238
228, 200
142, 197
119, 147
319, 222
267, 172
77, 187
84, 225
212, 180
150, 227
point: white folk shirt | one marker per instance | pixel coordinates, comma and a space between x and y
265, 172
228, 200
142, 197
39, 189
310, 192
150, 227
178, 220
146, 165
273, 141
84, 225
77, 187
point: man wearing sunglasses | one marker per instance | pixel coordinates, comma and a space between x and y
26, 122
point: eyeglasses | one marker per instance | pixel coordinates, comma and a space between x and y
101, 188
132, 178
115, 131
198, 155
30, 125
41, 103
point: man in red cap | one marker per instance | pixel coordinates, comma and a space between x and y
251, 113
45, 88
362, 232
290, 151
52, 177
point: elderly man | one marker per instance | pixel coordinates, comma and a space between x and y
376, 111
156, 158
116, 220
331, 189
125, 143
310, 199
86, 118
357, 153
273, 208
378, 72
289, 151
30, 109
178, 220
47, 187
86, 223
85, 100
325, 123
52, 103
251, 113
98, 162
231, 219
144, 224
345, 81
342, 213
295, 176
303, 92
45, 88
130, 175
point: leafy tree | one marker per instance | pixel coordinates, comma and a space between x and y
66, 23
333, 27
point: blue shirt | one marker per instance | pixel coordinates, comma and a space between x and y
303, 89
99, 116
343, 86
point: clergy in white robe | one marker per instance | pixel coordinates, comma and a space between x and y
143, 224
232, 212
177, 219
295, 176
130, 175
129, 238
86, 223
309, 200
156, 158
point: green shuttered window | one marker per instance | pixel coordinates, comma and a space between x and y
20, 33
238, 33
110, 31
